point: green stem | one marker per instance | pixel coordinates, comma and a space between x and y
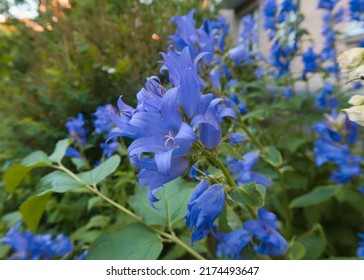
222, 167
172, 237
281, 180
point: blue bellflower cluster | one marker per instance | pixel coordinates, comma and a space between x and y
163, 123
78, 133
28, 246
248, 37
104, 126
208, 39
244, 169
271, 242
356, 10
337, 133
282, 51
330, 18
326, 99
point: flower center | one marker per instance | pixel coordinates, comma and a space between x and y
169, 140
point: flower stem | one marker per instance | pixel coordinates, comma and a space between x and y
171, 237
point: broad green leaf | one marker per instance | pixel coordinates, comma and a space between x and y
297, 251
172, 206
272, 156
32, 210
314, 242
38, 158
318, 195
134, 242
59, 182
228, 150
99, 173
228, 220
352, 198
60, 150
4, 249
11, 218
16, 173
250, 194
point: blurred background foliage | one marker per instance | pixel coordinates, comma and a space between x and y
73, 57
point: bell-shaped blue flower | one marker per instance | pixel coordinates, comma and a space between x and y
205, 205
232, 244
264, 229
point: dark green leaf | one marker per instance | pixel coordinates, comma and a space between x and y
32, 210
99, 173
250, 194
172, 206
272, 156
228, 150
134, 242
318, 195
59, 182
60, 150
16, 173
314, 242
297, 251
38, 158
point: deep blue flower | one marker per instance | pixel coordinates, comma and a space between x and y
269, 13
76, 129
356, 9
236, 138
326, 99
309, 59
232, 244
327, 4
28, 246
82, 256
242, 108
244, 169
72, 152
286, 7
360, 251
287, 93
102, 122
205, 205
109, 148
265, 229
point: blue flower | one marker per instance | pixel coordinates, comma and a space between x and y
287, 94
76, 129
28, 246
236, 138
205, 205
327, 4
103, 122
356, 9
264, 229
232, 244
310, 62
72, 152
269, 12
286, 7
244, 169
108, 149
360, 251
325, 99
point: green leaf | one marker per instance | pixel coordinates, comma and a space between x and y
318, 195
134, 242
16, 173
60, 150
314, 242
59, 182
36, 159
352, 198
228, 220
272, 156
99, 173
11, 218
32, 210
172, 206
250, 194
228, 150
297, 251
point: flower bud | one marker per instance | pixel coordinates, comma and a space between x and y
356, 114
356, 100
351, 59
